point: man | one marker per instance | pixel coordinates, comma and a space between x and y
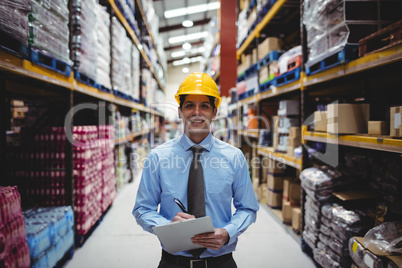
168, 175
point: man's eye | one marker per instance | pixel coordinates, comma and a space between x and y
188, 106
206, 106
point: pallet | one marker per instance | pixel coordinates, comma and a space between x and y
385, 38
348, 53
241, 77
12, 46
271, 56
246, 95
121, 94
287, 77
251, 70
265, 86
103, 88
42, 58
80, 239
85, 79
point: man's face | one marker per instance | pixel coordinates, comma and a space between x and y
197, 114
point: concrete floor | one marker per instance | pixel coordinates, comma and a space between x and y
119, 242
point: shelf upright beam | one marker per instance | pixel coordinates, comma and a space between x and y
3, 124
228, 32
69, 182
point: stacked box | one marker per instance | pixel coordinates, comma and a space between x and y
94, 181
14, 19
294, 140
121, 63
267, 72
103, 47
320, 121
84, 41
48, 28
134, 89
14, 251
50, 234
345, 118
268, 45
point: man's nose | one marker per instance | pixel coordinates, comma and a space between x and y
197, 109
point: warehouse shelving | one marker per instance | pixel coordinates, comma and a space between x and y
140, 7
382, 143
280, 157
136, 41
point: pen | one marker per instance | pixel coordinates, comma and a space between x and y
180, 204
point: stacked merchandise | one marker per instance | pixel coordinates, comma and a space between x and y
122, 132
50, 234
18, 111
328, 226
333, 25
84, 41
288, 67
288, 118
127, 8
93, 174
103, 47
48, 28
134, 88
14, 19
14, 251
42, 175
148, 88
121, 64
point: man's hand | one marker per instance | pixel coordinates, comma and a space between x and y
180, 216
212, 240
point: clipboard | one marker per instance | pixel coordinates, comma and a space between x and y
176, 236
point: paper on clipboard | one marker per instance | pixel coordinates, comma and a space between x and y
176, 236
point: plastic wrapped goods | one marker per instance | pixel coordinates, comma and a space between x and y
103, 47
84, 39
324, 259
364, 258
320, 178
48, 28
386, 237
14, 19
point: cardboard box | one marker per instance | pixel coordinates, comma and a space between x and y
286, 187
294, 193
274, 199
320, 121
395, 124
294, 132
358, 246
344, 118
263, 75
275, 182
287, 212
294, 141
288, 107
268, 45
275, 120
275, 141
296, 219
290, 151
376, 128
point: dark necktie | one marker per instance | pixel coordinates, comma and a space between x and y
195, 191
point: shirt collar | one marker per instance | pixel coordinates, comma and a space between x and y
187, 143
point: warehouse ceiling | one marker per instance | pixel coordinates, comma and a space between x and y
171, 27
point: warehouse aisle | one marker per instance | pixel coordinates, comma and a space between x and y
120, 242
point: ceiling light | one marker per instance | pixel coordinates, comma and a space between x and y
187, 23
191, 10
177, 54
186, 46
186, 61
185, 70
189, 37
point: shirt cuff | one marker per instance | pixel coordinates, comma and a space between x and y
232, 231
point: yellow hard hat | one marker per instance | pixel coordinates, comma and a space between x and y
199, 84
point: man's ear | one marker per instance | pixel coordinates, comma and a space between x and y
215, 112
179, 111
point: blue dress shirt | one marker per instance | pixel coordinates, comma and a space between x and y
226, 176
